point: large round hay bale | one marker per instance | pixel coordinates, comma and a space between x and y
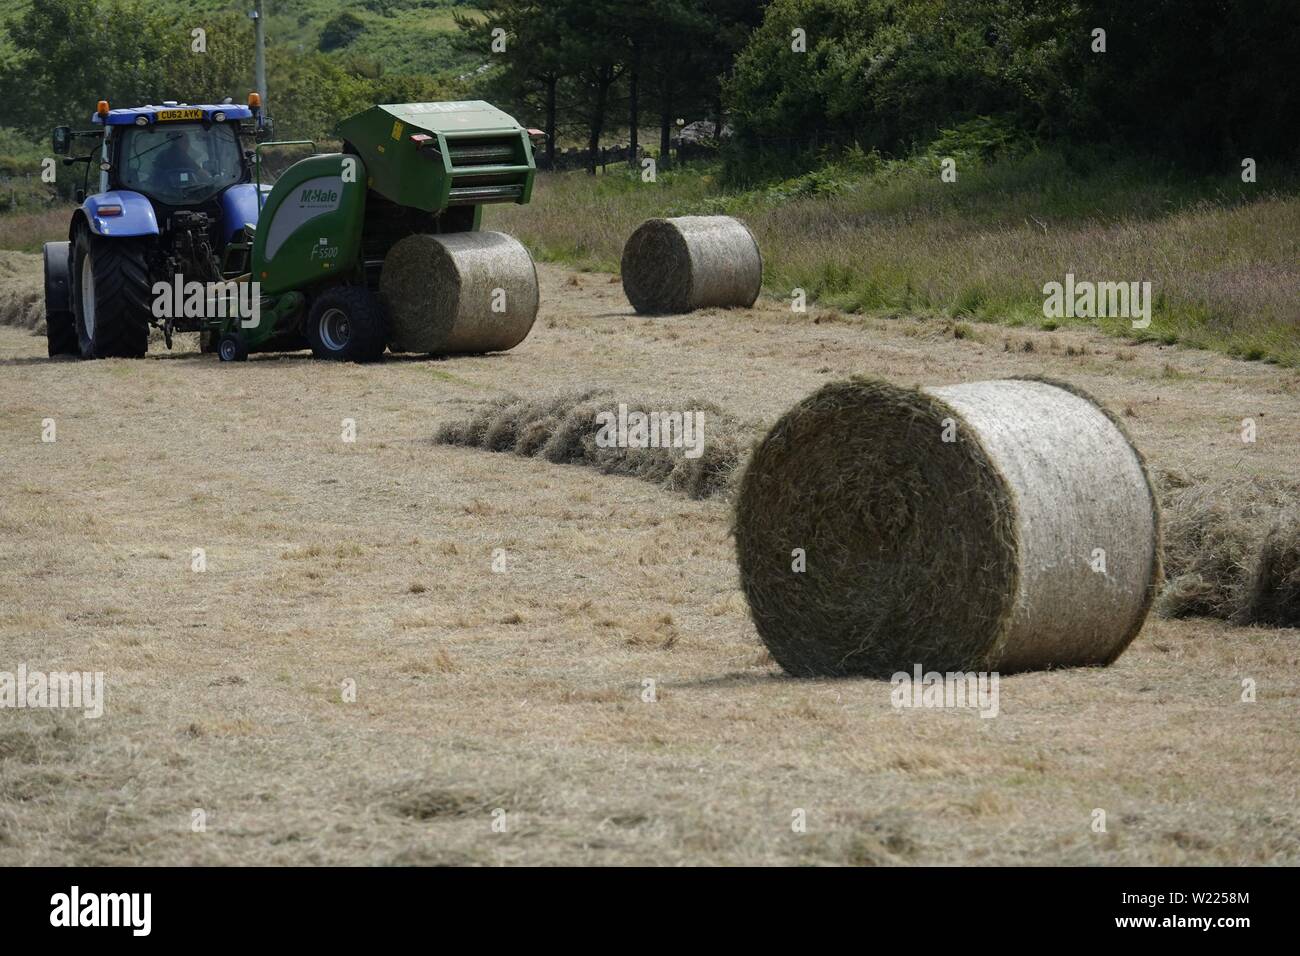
959, 528
458, 292
691, 262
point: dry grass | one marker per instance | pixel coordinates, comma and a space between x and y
26, 231
524, 690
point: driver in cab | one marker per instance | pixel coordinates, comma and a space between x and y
178, 160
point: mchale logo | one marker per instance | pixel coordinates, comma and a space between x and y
103, 909
310, 196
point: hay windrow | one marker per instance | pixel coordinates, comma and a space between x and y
954, 554
672, 266
463, 292
22, 291
1273, 589
562, 429
1232, 549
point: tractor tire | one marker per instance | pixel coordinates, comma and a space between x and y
111, 296
61, 334
60, 323
347, 324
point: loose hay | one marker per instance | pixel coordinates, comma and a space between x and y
1232, 550
22, 291
459, 292
562, 428
1273, 591
691, 262
971, 554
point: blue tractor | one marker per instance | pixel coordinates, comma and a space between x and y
175, 189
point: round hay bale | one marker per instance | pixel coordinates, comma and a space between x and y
957, 528
691, 262
458, 292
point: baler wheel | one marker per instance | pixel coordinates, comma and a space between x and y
232, 348
346, 324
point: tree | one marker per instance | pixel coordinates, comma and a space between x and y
340, 31
69, 52
596, 43
528, 72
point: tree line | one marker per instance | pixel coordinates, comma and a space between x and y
1196, 80
587, 65
1199, 81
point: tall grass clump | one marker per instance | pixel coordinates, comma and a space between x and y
866, 235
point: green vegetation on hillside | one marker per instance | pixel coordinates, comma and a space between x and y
74, 52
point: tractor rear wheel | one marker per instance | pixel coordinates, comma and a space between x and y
61, 334
346, 323
110, 296
60, 323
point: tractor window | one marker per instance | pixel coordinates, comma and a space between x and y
179, 164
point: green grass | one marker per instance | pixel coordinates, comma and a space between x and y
875, 237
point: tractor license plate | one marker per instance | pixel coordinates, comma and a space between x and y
165, 115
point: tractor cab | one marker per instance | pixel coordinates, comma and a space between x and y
155, 161
180, 164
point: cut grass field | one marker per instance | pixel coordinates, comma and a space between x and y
523, 690
889, 239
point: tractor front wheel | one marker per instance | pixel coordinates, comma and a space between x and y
110, 296
347, 324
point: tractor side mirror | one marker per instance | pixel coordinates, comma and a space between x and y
61, 140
